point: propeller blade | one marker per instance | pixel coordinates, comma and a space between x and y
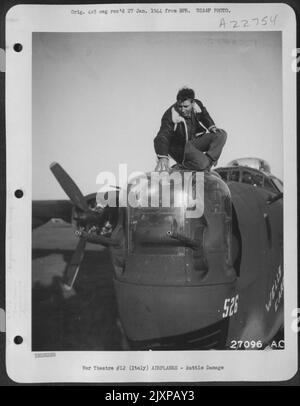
74, 265
69, 186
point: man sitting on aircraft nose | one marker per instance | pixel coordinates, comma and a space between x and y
189, 135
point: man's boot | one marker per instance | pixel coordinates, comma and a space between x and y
212, 162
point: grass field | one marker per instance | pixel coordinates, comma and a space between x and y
82, 319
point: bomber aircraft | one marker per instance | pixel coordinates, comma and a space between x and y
184, 283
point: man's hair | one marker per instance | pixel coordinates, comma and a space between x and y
184, 94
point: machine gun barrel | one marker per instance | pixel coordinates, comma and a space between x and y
187, 241
97, 239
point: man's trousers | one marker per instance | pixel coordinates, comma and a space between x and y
210, 143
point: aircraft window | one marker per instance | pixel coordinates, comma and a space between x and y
223, 174
227, 206
268, 184
148, 230
200, 260
251, 178
234, 176
278, 184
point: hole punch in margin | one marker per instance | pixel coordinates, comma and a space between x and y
18, 340
19, 193
18, 47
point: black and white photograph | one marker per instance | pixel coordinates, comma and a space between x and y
157, 193
105, 99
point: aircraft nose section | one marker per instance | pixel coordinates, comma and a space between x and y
167, 246
175, 265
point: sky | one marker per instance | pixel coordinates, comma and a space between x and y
98, 98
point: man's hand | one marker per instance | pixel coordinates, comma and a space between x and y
162, 165
214, 129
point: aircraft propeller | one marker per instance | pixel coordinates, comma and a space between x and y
74, 265
86, 217
69, 186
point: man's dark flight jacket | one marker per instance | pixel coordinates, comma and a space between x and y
173, 133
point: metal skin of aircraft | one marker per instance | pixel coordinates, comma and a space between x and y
212, 282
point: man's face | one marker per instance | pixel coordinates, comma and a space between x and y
185, 107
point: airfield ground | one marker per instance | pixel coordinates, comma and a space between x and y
82, 319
